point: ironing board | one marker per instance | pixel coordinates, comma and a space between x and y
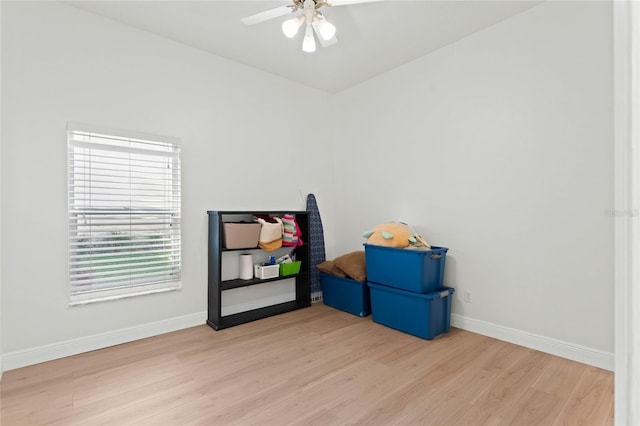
316, 243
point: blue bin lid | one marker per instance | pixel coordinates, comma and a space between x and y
434, 249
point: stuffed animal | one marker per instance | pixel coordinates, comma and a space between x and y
395, 234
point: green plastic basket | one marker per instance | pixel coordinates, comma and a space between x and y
290, 268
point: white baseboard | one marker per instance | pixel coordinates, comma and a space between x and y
23, 358
583, 354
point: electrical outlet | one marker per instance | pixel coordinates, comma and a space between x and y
467, 296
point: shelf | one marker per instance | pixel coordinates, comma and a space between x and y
216, 286
256, 314
230, 284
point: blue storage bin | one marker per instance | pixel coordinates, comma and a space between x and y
421, 271
346, 294
424, 315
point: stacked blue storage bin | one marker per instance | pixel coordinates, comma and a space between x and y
406, 289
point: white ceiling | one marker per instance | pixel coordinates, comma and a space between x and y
373, 37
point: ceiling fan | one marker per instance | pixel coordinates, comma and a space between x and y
311, 14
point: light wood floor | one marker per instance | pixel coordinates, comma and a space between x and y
315, 366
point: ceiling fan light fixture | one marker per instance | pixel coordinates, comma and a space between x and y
327, 29
313, 16
290, 26
309, 43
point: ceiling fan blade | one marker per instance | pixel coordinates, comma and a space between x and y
324, 43
348, 2
266, 15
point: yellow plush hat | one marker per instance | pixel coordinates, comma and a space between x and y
394, 234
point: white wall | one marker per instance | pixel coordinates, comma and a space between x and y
500, 148
61, 64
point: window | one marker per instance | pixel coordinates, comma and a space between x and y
124, 214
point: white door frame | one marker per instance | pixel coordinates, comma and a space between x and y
626, 32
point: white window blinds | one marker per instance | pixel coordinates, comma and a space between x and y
124, 214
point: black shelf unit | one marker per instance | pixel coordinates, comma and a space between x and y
216, 285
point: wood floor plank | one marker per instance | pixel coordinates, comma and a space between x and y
440, 403
492, 404
192, 412
349, 383
534, 408
591, 402
559, 377
322, 417
89, 388
315, 366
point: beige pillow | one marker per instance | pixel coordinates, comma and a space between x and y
329, 267
353, 264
